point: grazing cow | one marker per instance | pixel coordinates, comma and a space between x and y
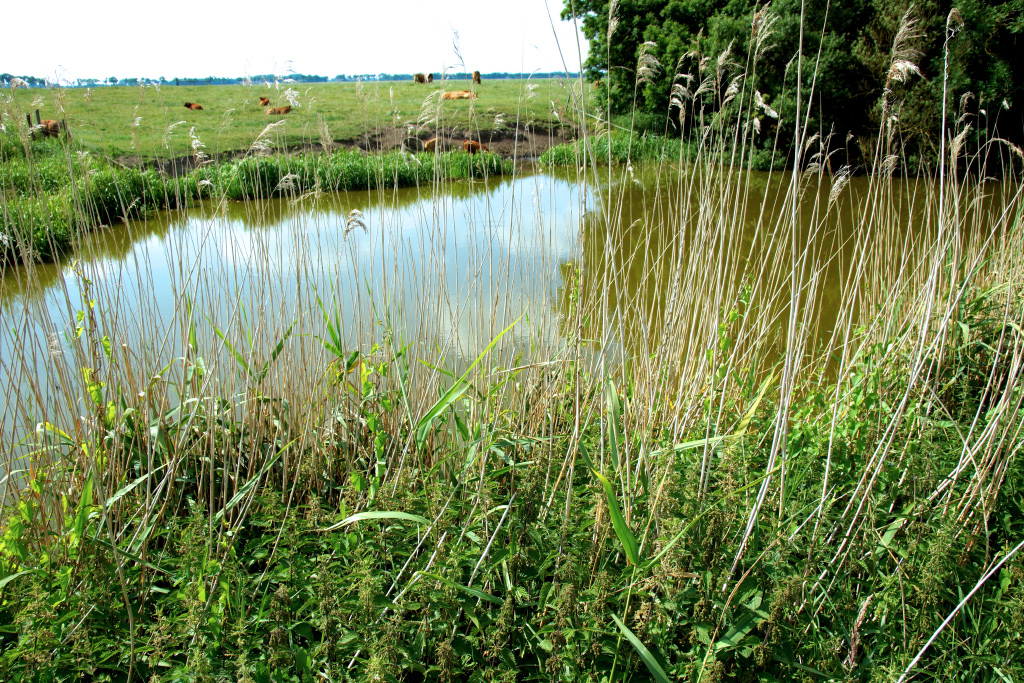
476, 77
472, 146
419, 78
436, 145
459, 95
193, 106
597, 85
279, 111
264, 102
430, 78
49, 128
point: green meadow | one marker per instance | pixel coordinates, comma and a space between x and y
148, 122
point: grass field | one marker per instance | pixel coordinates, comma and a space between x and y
149, 122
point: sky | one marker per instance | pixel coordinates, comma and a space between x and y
122, 38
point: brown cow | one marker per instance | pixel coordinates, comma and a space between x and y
279, 111
419, 78
193, 106
49, 128
264, 102
476, 77
432, 145
472, 146
430, 78
459, 95
597, 85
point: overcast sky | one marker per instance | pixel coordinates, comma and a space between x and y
122, 38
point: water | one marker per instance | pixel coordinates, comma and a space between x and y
442, 271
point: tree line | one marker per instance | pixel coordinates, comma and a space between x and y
862, 61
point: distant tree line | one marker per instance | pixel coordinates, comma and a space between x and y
866, 61
33, 82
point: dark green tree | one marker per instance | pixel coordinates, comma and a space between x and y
710, 46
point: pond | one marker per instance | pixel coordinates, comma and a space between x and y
441, 271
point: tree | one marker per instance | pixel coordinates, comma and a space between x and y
708, 46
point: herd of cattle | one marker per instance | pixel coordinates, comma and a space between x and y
51, 128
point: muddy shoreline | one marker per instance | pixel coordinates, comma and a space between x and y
520, 142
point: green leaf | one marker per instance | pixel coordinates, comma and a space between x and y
457, 389
472, 591
275, 353
645, 654
82, 511
7, 579
379, 514
238, 357
622, 530
125, 553
614, 407
737, 632
127, 489
251, 483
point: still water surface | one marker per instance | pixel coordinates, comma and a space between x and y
445, 267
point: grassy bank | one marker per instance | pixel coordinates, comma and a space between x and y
51, 192
618, 147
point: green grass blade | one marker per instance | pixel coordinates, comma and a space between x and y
82, 512
276, 352
7, 579
251, 483
472, 591
622, 530
449, 397
234, 352
614, 407
645, 654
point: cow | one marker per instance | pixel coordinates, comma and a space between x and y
264, 102
436, 145
419, 78
193, 106
459, 95
597, 85
430, 78
476, 77
49, 128
279, 111
472, 146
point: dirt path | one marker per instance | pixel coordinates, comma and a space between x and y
513, 142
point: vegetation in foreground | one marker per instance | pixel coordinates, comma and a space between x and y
714, 493
536, 529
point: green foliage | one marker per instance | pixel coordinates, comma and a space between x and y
704, 47
618, 147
